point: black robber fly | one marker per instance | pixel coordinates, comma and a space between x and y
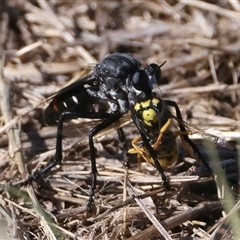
115, 86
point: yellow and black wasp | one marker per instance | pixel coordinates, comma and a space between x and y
162, 128
160, 135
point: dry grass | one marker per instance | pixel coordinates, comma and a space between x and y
46, 44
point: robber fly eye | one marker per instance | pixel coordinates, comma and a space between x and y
157, 71
140, 80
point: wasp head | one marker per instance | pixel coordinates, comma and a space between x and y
148, 112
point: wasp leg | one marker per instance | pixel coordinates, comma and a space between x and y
145, 155
137, 150
151, 151
186, 138
162, 131
184, 143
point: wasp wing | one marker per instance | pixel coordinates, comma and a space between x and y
211, 134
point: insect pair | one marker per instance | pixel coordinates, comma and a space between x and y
116, 86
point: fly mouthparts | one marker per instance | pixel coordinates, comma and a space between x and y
156, 90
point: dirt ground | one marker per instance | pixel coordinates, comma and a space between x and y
46, 45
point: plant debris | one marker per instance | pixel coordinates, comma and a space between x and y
45, 45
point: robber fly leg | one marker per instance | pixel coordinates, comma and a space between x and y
58, 154
151, 151
68, 115
124, 148
105, 123
186, 138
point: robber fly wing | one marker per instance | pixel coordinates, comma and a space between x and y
82, 128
